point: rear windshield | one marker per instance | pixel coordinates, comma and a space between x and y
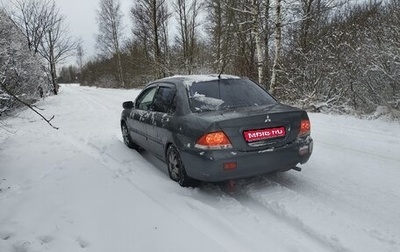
226, 94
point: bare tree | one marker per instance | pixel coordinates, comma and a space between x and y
251, 17
46, 32
188, 12
57, 46
109, 19
257, 29
278, 46
79, 55
240, 34
221, 32
150, 18
312, 15
34, 18
21, 72
21, 75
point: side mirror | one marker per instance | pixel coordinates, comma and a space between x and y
128, 105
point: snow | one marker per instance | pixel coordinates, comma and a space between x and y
190, 79
206, 103
381, 110
203, 78
80, 188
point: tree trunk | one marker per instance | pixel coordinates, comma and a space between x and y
257, 34
267, 79
157, 51
53, 70
120, 71
278, 48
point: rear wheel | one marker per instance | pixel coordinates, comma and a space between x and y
127, 138
176, 169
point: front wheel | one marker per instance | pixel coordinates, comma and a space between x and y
176, 169
127, 138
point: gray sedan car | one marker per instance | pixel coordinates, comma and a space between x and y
215, 128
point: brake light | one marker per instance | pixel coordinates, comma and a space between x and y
305, 128
213, 141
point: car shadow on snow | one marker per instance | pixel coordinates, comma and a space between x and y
257, 183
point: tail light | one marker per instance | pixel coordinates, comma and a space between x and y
214, 141
305, 128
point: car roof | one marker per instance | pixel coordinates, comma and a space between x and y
188, 80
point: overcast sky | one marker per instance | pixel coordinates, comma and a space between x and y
81, 17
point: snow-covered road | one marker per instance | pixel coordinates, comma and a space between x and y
80, 189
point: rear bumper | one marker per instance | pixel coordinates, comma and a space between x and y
209, 165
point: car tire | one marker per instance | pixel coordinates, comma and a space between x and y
127, 138
176, 169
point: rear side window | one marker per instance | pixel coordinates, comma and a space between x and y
227, 94
164, 100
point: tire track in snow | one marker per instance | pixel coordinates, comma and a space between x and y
311, 216
266, 207
122, 170
108, 160
363, 152
266, 218
333, 195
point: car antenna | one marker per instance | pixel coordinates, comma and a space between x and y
222, 70
219, 79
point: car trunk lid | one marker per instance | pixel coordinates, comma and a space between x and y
262, 127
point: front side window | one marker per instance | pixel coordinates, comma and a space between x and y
144, 101
227, 94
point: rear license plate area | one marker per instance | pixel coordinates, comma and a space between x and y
264, 134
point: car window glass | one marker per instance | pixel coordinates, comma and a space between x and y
226, 94
164, 100
146, 98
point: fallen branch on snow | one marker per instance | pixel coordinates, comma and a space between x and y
28, 105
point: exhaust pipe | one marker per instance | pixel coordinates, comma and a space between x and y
296, 168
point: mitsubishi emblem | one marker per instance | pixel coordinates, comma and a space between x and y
268, 119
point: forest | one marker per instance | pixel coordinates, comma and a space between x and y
340, 56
